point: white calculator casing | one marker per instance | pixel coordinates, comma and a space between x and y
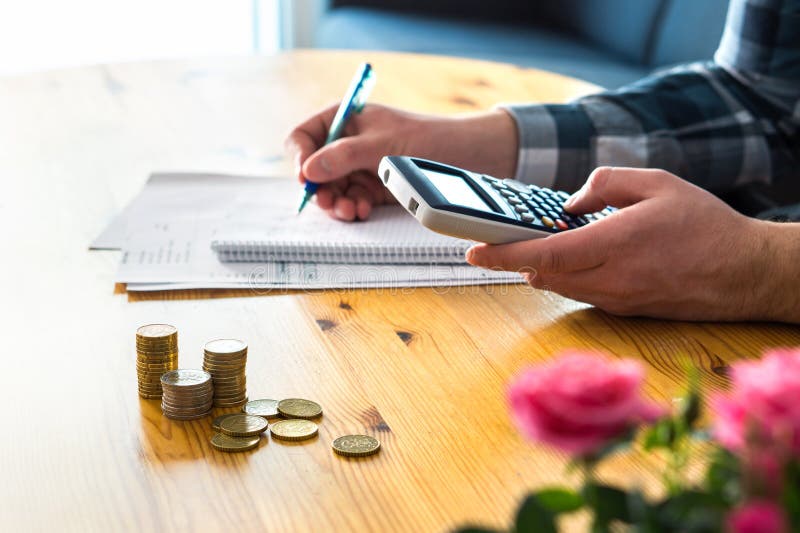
499, 224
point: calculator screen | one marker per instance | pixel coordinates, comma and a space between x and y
455, 190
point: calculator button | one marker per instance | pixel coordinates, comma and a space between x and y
490, 179
521, 209
513, 200
607, 211
527, 217
599, 215
537, 198
548, 222
562, 195
582, 220
499, 185
573, 225
507, 193
553, 215
517, 186
539, 211
560, 224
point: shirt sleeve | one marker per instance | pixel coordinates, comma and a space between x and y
719, 124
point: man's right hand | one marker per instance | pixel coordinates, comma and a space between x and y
346, 169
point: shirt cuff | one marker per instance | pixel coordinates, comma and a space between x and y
537, 159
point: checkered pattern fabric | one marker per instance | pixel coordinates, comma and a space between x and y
719, 124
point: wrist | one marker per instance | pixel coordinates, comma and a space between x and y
779, 271
485, 142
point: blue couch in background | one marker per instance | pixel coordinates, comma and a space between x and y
607, 42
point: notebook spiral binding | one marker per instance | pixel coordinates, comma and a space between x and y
320, 252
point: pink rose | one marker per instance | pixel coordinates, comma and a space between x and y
757, 517
762, 412
580, 401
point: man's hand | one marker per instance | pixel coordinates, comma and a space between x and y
346, 168
673, 250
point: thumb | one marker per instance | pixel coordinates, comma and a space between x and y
615, 186
342, 157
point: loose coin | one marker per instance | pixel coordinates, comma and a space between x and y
356, 445
242, 425
220, 418
296, 429
299, 408
226, 443
264, 408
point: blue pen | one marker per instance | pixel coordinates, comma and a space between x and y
353, 101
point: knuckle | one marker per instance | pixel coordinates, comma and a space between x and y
600, 177
551, 260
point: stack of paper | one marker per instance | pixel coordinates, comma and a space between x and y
166, 233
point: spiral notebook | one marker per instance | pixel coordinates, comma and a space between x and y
390, 236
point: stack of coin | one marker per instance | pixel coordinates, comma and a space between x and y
225, 360
188, 394
156, 353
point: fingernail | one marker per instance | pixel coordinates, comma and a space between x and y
571, 200
325, 165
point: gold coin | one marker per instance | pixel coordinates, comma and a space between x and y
174, 416
356, 445
226, 443
228, 403
242, 425
225, 346
186, 378
156, 331
220, 418
149, 396
264, 408
295, 429
299, 408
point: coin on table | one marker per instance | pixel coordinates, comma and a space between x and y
295, 429
241, 425
264, 408
356, 445
226, 443
153, 331
299, 408
220, 418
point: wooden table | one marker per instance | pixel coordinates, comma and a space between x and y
425, 371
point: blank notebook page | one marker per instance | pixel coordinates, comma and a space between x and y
390, 235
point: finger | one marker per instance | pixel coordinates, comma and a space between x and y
344, 208
573, 250
325, 198
307, 137
371, 183
362, 199
343, 157
616, 186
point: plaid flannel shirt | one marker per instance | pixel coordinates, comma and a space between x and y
719, 124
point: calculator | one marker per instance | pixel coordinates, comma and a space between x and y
474, 206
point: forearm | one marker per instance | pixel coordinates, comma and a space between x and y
698, 122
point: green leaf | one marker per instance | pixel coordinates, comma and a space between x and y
661, 435
558, 500
532, 517
723, 477
608, 503
691, 511
691, 407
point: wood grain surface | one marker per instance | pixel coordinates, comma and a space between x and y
423, 370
